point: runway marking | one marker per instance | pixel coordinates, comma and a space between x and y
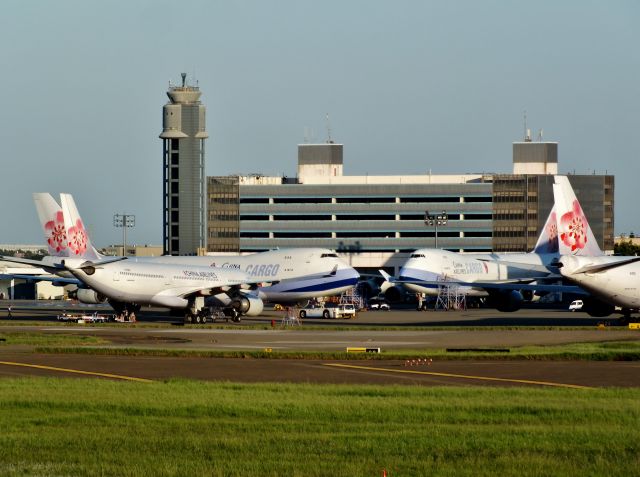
77, 371
461, 376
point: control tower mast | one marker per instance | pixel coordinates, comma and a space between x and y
183, 135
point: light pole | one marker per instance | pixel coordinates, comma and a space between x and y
124, 221
435, 220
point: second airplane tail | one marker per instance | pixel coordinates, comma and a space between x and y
78, 241
52, 223
575, 236
548, 240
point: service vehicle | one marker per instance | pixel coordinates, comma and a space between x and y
576, 305
347, 310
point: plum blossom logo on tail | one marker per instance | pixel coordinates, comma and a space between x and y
573, 228
57, 236
552, 233
77, 238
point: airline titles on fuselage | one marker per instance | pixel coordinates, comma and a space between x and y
269, 270
199, 274
469, 268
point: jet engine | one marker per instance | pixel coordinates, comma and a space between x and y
247, 305
394, 294
506, 300
91, 297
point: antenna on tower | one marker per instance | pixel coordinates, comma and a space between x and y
525, 125
329, 141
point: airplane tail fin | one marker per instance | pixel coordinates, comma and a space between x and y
548, 240
78, 240
575, 236
52, 222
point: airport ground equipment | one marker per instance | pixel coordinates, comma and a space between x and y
346, 310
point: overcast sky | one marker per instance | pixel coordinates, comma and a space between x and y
410, 86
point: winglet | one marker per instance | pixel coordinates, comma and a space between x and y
575, 236
333, 272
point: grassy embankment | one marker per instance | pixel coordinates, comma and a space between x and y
95, 427
596, 351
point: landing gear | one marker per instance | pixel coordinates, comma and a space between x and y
205, 315
625, 318
234, 315
125, 312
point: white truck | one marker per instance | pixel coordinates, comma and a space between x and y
319, 311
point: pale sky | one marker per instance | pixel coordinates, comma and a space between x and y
410, 86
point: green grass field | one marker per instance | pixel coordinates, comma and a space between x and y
592, 351
187, 428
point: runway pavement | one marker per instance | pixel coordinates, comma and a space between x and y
448, 373
406, 330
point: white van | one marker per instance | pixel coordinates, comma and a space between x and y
576, 305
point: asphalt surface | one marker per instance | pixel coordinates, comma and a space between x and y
424, 330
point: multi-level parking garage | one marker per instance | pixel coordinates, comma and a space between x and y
375, 221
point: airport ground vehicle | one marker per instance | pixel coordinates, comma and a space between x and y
85, 317
576, 305
380, 306
319, 311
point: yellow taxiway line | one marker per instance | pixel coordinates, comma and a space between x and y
77, 371
460, 376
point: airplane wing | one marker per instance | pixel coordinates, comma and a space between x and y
501, 285
538, 268
27, 261
55, 280
601, 267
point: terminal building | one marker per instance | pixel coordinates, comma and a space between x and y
376, 221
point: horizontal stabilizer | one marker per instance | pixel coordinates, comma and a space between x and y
601, 267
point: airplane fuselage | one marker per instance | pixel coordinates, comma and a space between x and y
619, 286
430, 265
288, 275
157, 284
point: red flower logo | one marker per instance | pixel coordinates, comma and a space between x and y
77, 238
57, 236
552, 233
573, 226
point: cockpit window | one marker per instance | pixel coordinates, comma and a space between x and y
329, 255
417, 255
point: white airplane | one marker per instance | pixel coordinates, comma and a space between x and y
286, 276
174, 286
503, 278
611, 281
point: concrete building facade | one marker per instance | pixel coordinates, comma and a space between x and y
376, 221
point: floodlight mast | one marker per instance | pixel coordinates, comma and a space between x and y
124, 221
435, 221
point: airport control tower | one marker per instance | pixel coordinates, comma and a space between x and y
183, 135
